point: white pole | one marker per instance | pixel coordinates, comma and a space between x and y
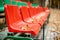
46, 3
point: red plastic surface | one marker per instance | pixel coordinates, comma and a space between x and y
29, 4
16, 24
35, 14
39, 9
25, 14
32, 11
25, 20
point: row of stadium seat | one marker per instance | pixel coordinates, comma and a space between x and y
25, 19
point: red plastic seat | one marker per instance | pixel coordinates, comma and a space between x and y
32, 11
38, 15
32, 17
35, 13
46, 9
39, 9
29, 4
25, 14
16, 24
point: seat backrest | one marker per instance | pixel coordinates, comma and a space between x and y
34, 5
13, 14
24, 12
19, 4
39, 9
32, 11
24, 4
1, 6
45, 8
1, 3
29, 4
7, 1
35, 10
13, 2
